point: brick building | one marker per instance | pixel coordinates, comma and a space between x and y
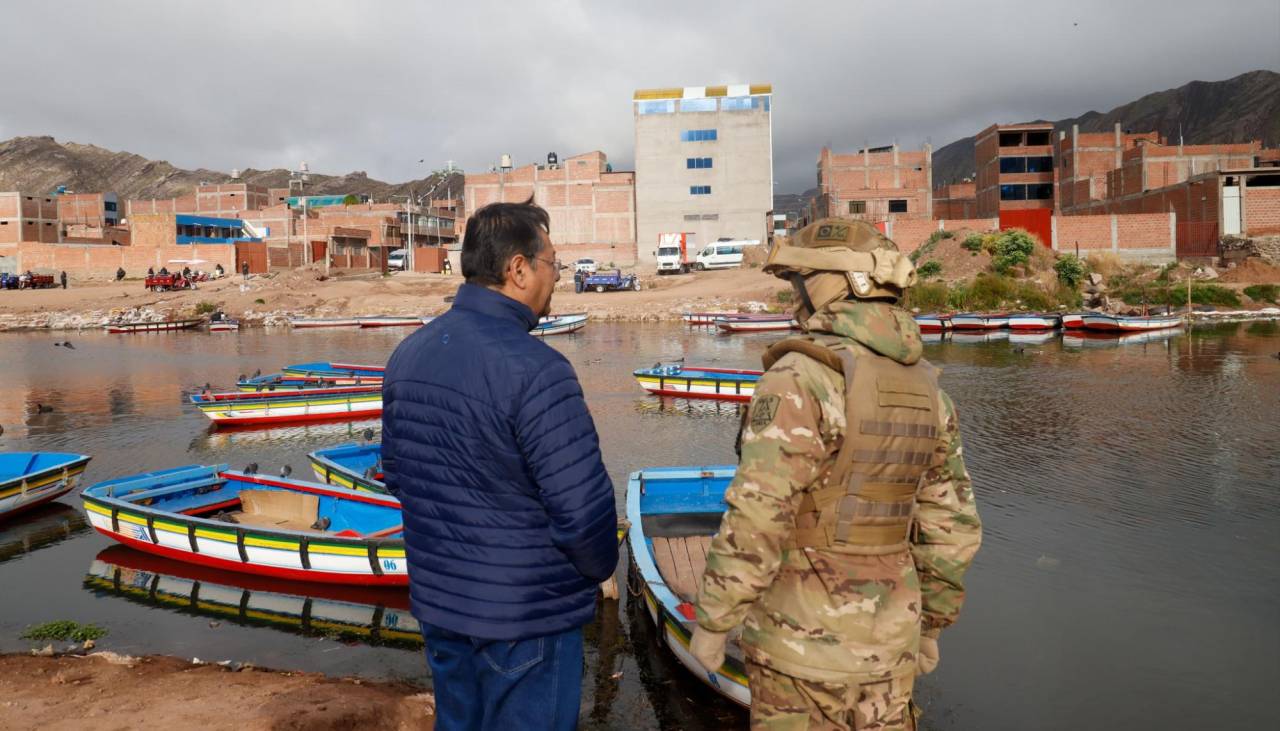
91, 210
876, 184
1085, 160
25, 217
955, 201
1015, 169
592, 207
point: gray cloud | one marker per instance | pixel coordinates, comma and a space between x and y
378, 86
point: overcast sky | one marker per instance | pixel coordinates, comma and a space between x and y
377, 86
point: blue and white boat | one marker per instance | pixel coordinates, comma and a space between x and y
559, 325
673, 514
330, 370
28, 479
355, 466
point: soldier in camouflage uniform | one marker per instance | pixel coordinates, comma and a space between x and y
851, 520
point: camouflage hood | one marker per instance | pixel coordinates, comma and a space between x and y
882, 327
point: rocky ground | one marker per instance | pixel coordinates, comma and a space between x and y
106, 690
272, 299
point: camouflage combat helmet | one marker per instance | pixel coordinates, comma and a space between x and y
831, 259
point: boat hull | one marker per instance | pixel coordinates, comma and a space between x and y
390, 321
324, 322
346, 466
742, 325
933, 323
292, 407
40, 484
1107, 323
151, 327
224, 326
979, 322
704, 318
701, 383
1073, 321
1033, 322
248, 548
560, 326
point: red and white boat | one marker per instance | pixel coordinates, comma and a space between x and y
314, 322
389, 321
1033, 321
1122, 323
1073, 320
933, 323
756, 323
979, 321
222, 326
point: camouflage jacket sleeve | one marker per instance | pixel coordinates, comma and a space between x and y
782, 452
948, 531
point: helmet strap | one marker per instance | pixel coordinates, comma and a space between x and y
798, 284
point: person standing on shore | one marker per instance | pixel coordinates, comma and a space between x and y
509, 515
851, 519
64, 279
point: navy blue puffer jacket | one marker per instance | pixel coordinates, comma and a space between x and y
509, 514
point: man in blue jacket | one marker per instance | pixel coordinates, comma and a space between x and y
509, 514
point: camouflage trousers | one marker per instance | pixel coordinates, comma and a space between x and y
783, 703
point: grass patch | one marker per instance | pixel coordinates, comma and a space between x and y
204, 308
784, 296
989, 292
929, 269
259, 301
64, 629
1176, 295
1263, 293
927, 297
973, 243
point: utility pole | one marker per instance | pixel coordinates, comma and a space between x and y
408, 209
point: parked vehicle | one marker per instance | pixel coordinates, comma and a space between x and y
166, 282
611, 280
398, 259
674, 253
26, 280
723, 254
586, 266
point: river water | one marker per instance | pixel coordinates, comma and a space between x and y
1130, 492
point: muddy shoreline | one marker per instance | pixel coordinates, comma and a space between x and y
73, 691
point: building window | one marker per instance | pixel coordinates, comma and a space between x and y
698, 135
1013, 164
735, 104
109, 206
699, 190
1041, 164
1040, 192
692, 217
698, 105
897, 205
711, 216
1037, 138
857, 207
1013, 192
661, 106
1010, 139
697, 163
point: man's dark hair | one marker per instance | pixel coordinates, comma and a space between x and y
498, 232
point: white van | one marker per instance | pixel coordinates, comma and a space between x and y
723, 254
397, 260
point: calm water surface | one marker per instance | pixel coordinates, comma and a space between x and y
1129, 491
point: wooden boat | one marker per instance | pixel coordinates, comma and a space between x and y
152, 327
315, 404
372, 615
674, 512
704, 318
28, 479
281, 382
216, 326
1034, 321
388, 321
316, 322
329, 370
698, 382
979, 321
1123, 323
354, 466
272, 526
560, 325
756, 323
933, 323
1073, 320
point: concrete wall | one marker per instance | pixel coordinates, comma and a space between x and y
741, 177
1149, 237
910, 234
96, 260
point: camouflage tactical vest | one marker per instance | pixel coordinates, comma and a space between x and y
864, 503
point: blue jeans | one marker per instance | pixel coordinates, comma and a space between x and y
492, 684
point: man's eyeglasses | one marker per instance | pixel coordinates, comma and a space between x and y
553, 262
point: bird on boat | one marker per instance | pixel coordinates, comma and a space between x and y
286, 471
241, 378
367, 435
257, 373
321, 524
251, 468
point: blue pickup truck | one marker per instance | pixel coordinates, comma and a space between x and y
614, 280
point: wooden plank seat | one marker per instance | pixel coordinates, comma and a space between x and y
681, 561
278, 509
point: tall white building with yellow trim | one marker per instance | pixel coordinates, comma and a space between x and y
704, 164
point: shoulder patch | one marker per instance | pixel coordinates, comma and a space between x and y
832, 232
763, 409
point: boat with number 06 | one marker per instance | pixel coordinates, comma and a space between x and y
272, 526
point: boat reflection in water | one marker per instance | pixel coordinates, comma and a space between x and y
40, 527
688, 407
371, 616
978, 336
321, 433
1102, 339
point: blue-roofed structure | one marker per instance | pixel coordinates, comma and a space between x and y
209, 230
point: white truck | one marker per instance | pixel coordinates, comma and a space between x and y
675, 253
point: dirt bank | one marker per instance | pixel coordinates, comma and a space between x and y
272, 299
108, 691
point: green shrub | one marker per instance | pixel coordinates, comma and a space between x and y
259, 301
204, 308
1175, 295
929, 269
928, 297
972, 242
1163, 276
1263, 293
64, 629
1070, 270
1012, 248
784, 296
